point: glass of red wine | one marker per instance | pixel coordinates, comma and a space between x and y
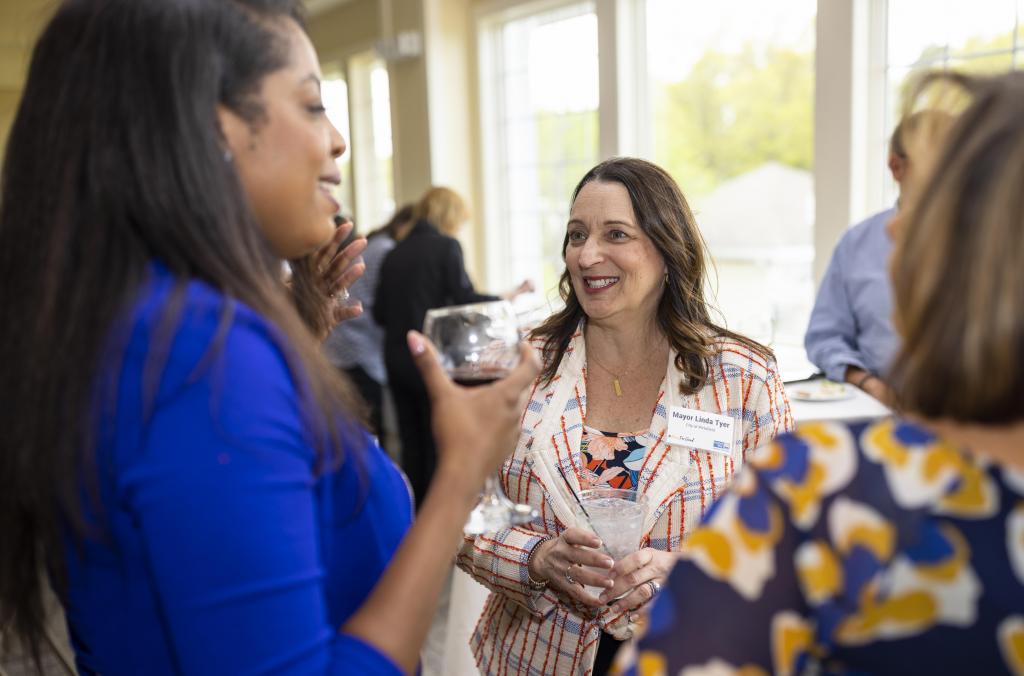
478, 344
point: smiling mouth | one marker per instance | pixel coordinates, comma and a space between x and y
598, 283
326, 185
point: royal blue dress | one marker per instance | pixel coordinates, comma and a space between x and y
218, 546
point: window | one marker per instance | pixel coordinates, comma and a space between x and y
980, 37
731, 101
370, 101
334, 91
539, 92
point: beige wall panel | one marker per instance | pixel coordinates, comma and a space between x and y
20, 23
450, 75
340, 32
410, 114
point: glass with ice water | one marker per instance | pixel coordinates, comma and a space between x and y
617, 517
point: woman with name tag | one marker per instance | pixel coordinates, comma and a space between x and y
641, 390
894, 546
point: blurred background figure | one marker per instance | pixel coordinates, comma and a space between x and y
423, 271
356, 346
850, 336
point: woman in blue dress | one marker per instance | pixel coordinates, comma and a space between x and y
176, 454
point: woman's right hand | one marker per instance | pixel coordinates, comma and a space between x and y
560, 561
476, 428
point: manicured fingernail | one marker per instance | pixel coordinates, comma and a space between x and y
416, 345
608, 563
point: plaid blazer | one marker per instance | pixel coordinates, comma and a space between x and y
522, 631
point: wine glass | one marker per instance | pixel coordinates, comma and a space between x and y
478, 344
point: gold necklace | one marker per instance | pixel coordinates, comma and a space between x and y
615, 377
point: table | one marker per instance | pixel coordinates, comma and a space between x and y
861, 406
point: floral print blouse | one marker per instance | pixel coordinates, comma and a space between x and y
611, 460
871, 548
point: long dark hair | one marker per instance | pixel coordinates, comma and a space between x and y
683, 316
958, 266
115, 159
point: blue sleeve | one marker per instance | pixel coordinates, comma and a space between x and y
831, 339
224, 496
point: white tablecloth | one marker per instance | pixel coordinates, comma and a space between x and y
861, 406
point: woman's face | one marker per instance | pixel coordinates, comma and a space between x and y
286, 160
616, 270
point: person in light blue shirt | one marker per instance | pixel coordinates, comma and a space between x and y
850, 336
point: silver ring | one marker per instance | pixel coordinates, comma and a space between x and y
341, 296
655, 587
568, 576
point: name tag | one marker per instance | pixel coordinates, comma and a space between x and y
702, 430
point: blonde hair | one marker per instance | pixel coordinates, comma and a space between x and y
958, 268
444, 208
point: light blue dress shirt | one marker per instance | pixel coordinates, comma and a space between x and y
851, 324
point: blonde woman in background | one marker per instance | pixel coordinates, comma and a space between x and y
425, 270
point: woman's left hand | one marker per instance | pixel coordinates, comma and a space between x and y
639, 576
339, 270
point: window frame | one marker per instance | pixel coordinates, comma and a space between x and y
489, 21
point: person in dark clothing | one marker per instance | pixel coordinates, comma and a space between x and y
356, 346
425, 270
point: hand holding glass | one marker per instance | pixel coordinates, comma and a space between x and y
478, 344
617, 517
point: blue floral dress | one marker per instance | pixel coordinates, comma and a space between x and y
872, 548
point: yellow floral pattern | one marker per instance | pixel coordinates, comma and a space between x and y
851, 549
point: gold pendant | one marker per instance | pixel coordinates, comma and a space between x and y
618, 388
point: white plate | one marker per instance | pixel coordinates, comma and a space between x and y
822, 390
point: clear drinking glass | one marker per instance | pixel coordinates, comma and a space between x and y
478, 344
617, 517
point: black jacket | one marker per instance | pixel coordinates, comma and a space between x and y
425, 270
